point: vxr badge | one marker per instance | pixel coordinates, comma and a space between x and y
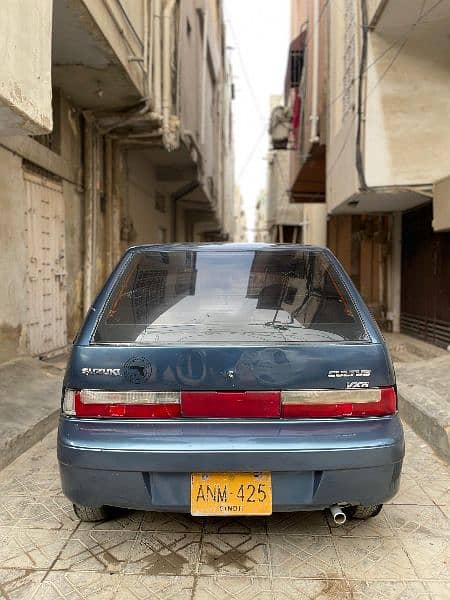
351, 385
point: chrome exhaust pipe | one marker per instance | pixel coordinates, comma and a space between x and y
339, 516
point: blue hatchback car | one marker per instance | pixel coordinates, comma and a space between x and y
229, 379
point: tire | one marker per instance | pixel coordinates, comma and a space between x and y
363, 513
91, 514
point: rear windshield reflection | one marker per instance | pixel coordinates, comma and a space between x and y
183, 296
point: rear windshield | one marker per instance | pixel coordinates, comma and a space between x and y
196, 297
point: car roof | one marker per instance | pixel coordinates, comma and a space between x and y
225, 247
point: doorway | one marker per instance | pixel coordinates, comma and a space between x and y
46, 266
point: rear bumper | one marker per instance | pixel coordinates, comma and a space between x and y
143, 465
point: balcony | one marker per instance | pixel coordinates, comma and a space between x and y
98, 50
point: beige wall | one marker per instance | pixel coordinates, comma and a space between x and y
67, 165
406, 100
342, 177
148, 222
299, 16
109, 204
125, 40
205, 102
12, 255
25, 67
441, 205
407, 104
315, 228
261, 224
240, 223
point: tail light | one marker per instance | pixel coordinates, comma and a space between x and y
294, 404
339, 403
135, 405
262, 405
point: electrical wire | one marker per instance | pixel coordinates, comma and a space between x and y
364, 49
403, 43
245, 72
400, 40
430, 10
252, 153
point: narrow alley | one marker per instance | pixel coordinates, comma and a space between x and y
45, 553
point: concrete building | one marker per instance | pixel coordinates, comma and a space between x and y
305, 98
240, 218
284, 218
115, 130
368, 89
389, 96
261, 230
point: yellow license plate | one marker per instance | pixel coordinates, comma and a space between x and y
225, 494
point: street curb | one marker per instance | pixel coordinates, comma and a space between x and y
429, 426
16, 446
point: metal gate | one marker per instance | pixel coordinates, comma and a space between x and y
46, 268
425, 308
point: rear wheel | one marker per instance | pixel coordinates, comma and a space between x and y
362, 512
90, 514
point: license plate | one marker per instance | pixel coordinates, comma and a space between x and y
224, 494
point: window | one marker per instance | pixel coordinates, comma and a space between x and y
296, 67
189, 296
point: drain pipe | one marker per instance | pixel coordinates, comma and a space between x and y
166, 75
204, 71
157, 55
339, 516
148, 54
314, 137
145, 57
176, 196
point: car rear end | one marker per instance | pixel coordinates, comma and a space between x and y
229, 379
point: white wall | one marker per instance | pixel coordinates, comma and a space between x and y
25, 67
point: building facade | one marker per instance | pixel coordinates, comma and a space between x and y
284, 218
305, 98
261, 230
239, 218
115, 130
377, 153
385, 133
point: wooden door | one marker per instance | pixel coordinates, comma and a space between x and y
46, 268
360, 242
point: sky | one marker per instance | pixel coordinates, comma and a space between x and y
258, 33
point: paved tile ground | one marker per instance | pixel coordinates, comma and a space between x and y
45, 553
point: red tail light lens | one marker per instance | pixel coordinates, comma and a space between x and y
338, 403
127, 405
265, 405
